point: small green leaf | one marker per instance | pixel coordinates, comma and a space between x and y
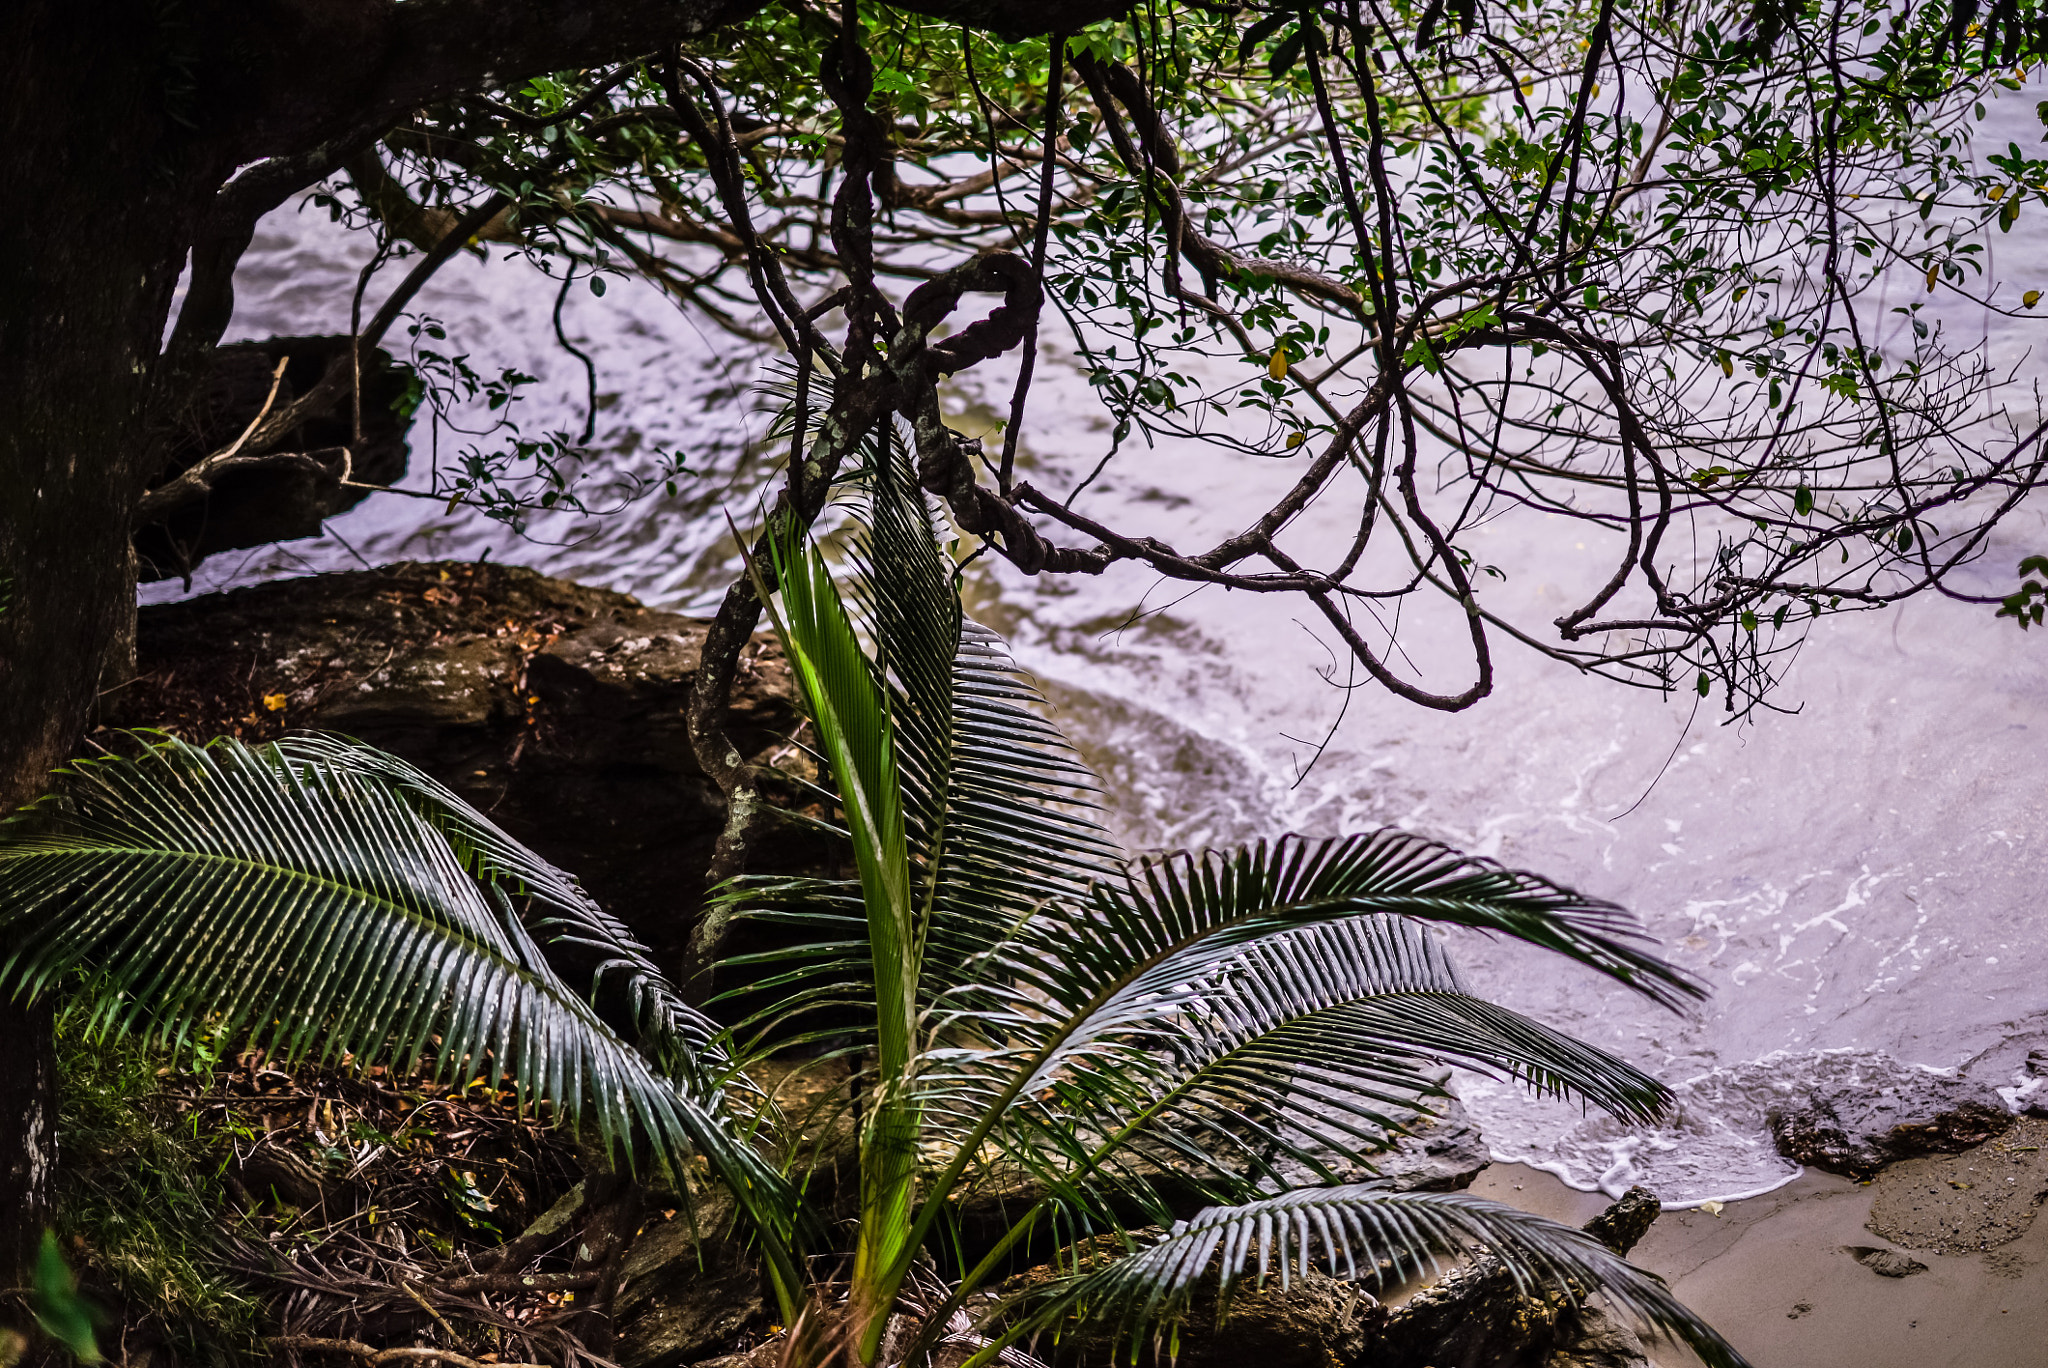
1705, 685
64, 1316
1802, 501
1748, 620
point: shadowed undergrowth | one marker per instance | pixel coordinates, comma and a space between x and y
212, 1199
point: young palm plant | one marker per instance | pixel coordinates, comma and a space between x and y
1175, 1042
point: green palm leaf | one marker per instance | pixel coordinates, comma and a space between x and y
1090, 1016
857, 734
1308, 1047
1083, 983
1019, 823
1368, 1230
1147, 943
996, 806
997, 803
298, 899
677, 1035
852, 712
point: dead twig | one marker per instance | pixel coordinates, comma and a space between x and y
199, 477
375, 1357
428, 1307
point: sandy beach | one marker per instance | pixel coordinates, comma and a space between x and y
1792, 1280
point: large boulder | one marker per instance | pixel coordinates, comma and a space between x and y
1883, 1111
1592, 1338
556, 709
1476, 1317
1439, 1149
689, 1289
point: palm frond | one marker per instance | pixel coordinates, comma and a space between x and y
852, 712
904, 587
303, 902
1016, 835
1147, 943
1368, 1231
1309, 1046
855, 720
998, 804
677, 1035
1021, 833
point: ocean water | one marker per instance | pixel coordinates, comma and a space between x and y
1860, 881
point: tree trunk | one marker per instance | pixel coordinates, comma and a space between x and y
89, 259
28, 1099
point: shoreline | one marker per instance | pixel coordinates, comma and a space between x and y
1775, 1275
1552, 1170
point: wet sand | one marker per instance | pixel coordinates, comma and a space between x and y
1773, 1273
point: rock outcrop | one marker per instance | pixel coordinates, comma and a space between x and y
556, 709
1443, 1151
1893, 1111
688, 1290
1591, 1338
1475, 1318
